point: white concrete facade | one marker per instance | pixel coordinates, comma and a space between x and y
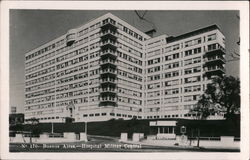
108, 69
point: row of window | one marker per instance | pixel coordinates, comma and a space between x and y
111, 114
88, 29
130, 41
70, 101
171, 91
175, 91
72, 62
170, 116
192, 61
40, 93
174, 82
154, 44
192, 88
193, 51
129, 58
129, 83
37, 87
71, 86
172, 48
39, 73
130, 75
43, 65
129, 67
172, 65
129, 100
35, 61
77, 93
130, 32
129, 92
193, 42
40, 106
129, 49
154, 85
154, 69
191, 98
72, 78
41, 51
72, 54
190, 43
42, 79
171, 100
154, 53
39, 100
71, 70
172, 56
153, 94
192, 70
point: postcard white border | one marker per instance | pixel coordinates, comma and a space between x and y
126, 5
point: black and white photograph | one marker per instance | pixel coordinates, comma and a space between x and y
133, 80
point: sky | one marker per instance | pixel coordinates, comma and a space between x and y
31, 28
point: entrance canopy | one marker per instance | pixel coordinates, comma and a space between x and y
162, 123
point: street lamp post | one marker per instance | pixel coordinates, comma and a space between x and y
52, 127
86, 127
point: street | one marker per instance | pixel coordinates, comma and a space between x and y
105, 144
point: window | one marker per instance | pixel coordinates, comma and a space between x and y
211, 37
197, 50
188, 43
188, 53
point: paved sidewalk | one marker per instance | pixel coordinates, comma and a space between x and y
171, 145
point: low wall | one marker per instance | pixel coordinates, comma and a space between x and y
44, 138
224, 142
165, 136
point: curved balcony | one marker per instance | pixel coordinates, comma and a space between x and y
214, 60
215, 51
108, 63
108, 82
108, 101
108, 44
108, 71
108, 34
214, 71
109, 25
108, 91
71, 37
108, 54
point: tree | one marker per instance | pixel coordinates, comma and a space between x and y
225, 95
221, 96
33, 122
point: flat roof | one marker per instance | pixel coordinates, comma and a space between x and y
192, 33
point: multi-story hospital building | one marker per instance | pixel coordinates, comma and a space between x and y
107, 69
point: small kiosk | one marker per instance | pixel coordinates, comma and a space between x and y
165, 129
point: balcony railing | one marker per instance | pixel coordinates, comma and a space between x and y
108, 42
113, 71
215, 51
108, 24
109, 99
106, 61
108, 89
215, 68
108, 51
109, 80
108, 32
214, 60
